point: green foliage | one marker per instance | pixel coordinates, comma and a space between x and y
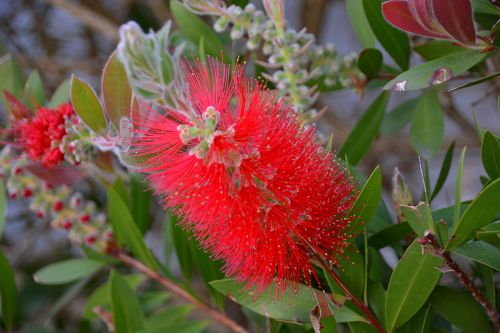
61, 95
127, 313
67, 271
427, 125
435, 71
87, 105
359, 22
34, 93
8, 292
395, 42
364, 132
490, 155
413, 280
370, 62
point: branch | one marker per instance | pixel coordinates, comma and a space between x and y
180, 292
464, 279
88, 17
367, 312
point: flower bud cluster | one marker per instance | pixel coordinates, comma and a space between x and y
66, 210
298, 62
76, 145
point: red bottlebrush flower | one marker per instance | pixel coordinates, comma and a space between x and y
250, 180
40, 135
58, 206
447, 19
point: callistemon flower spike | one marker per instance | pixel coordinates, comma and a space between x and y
250, 180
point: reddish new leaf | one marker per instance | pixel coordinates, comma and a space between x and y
422, 12
455, 16
397, 13
16, 108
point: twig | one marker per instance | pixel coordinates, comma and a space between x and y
364, 308
430, 239
88, 17
175, 289
105, 316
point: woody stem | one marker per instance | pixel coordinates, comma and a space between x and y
465, 280
363, 307
218, 317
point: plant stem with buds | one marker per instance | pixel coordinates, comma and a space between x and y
177, 290
363, 307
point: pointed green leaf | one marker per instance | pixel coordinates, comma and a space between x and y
126, 231
67, 271
399, 117
419, 323
8, 292
366, 203
61, 95
194, 29
116, 91
427, 125
390, 235
364, 132
419, 218
421, 76
370, 62
460, 309
412, 281
12, 78
360, 24
445, 169
87, 105
289, 306
490, 155
395, 42
127, 313
34, 93
479, 213
481, 252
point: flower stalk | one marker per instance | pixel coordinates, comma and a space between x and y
363, 307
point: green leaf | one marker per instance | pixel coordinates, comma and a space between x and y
479, 213
87, 105
399, 117
436, 48
360, 24
419, 323
395, 42
99, 297
481, 252
182, 248
67, 271
427, 125
289, 306
485, 7
490, 234
460, 309
370, 62
419, 218
412, 281
445, 169
3, 206
365, 205
490, 155
61, 95
12, 78
127, 313
364, 132
424, 75
140, 199
475, 82
34, 93
178, 327
351, 271
194, 29
8, 292
488, 280
126, 231
116, 91
390, 235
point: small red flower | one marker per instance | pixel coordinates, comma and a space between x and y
447, 19
41, 134
58, 206
252, 182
